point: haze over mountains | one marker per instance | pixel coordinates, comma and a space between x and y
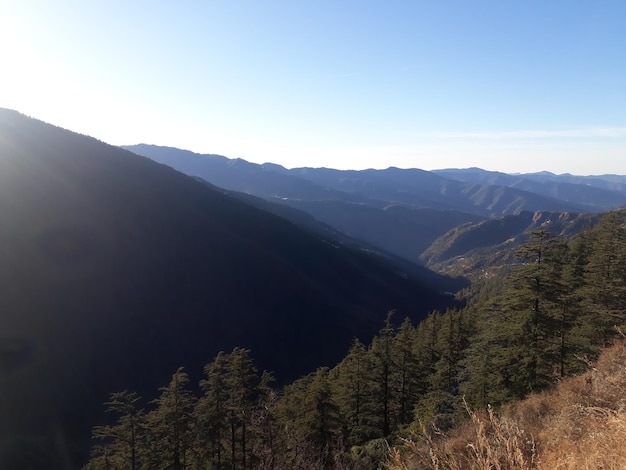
116, 270
590, 193
406, 211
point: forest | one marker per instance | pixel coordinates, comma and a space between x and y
544, 318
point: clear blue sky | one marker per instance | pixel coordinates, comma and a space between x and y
504, 85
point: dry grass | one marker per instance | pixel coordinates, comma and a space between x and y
486, 442
579, 424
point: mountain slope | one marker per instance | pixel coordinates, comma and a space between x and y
476, 249
115, 270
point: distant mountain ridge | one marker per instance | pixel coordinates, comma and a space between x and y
418, 188
402, 211
483, 192
591, 193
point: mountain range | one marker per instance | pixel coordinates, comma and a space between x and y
473, 190
412, 213
118, 265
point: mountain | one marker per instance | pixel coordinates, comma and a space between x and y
425, 189
591, 193
116, 270
475, 249
401, 212
268, 181
379, 188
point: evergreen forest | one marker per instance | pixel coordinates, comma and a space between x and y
544, 318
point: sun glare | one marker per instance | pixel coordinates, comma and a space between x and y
33, 80
22, 67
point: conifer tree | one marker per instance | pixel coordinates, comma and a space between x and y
210, 414
311, 422
533, 302
487, 364
123, 440
584, 334
442, 340
242, 383
321, 413
407, 376
170, 424
382, 370
352, 389
266, 426
606, 275
522, 341
427, 354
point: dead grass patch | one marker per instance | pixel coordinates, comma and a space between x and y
578, 424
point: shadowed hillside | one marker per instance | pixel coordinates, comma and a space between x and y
115, 270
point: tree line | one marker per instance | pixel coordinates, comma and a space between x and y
545, 319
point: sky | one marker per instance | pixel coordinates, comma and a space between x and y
514, 86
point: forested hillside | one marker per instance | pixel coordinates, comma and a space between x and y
521, 333
477, 250
115, 270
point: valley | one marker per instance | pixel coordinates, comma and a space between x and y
120, 266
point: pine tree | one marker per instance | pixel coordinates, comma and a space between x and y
382, 370
242, 383
231, 417
210, 414
427, 354
534, 302
264, 421
441, 343
311, 422
170, 424
122, 441
352, 389
606, 276
321, 416
486, 367
407, 376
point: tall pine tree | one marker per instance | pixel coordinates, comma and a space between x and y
171, 425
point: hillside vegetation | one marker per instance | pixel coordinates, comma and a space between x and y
116, 272
520, 335
481, 243
578, 424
